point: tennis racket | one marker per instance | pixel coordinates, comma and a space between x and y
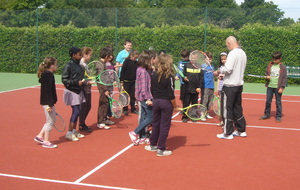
124, 98
257, 76
199, 59
216, 105
59, 124
120, 97
178, 71
194, 112
108, 77
115, 107
92, 69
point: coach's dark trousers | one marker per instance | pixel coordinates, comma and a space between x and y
162, 114
233, 111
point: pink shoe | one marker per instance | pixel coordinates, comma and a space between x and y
134, 137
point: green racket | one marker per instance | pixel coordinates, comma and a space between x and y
178, 71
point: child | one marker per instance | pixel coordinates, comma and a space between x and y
207, 93
85, 106
220, 83
105, 56
47, 99
122, 55
162, 89
184, 59
128, 77
275, 82
72, 78
192, 86
144, 96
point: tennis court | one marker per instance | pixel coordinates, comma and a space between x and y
105, 159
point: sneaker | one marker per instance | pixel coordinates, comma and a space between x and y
71, 137
208, 116
102, 126
134, 137
39, 139
264, 117
184, 120
144, 141
203, 119
78, 135
163, 152
151, 148
239, 134
49, 145
109, 122
223, 136
85, 128
278, 119
221, 123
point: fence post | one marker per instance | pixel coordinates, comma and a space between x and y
205, 30
116, 31
37, 37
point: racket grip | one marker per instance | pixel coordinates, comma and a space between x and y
175, 115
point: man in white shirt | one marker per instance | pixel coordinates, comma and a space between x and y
233, 87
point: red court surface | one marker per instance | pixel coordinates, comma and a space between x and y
105, 159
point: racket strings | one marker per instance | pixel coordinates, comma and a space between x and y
116, 109
196, 112
108, 77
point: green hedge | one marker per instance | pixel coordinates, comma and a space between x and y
21, 54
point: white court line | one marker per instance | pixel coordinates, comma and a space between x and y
64, 182
18, 89
251, 126
103, 164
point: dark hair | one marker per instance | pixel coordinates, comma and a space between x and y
185, 53
127, 41
220, 61
133, 53
74, 50
277, 55
106, 51
48, 62
162, 52
209, 54
144, 60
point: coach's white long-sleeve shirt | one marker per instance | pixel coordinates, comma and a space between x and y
234, 68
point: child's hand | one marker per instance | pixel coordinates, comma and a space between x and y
49, 109
280, 91
186, 79
80, 83
268, 77
176, 78
198, 90
91, 82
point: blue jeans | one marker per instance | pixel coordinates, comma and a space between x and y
270, 93
145, 118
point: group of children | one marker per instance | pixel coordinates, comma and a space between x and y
199, 80
149, 80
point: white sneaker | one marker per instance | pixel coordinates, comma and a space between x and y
71, 137
163, 152
203, 119
223, 136
78, 135
239, 134
102, 126
221, 123
208, 116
